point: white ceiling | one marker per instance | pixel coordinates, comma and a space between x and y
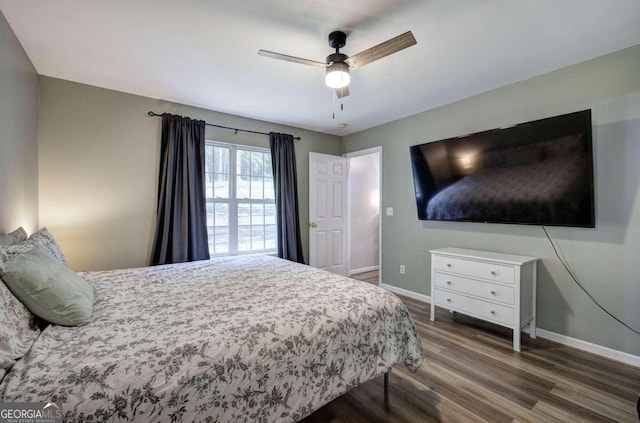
204, 52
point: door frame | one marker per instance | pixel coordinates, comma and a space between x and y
348, 156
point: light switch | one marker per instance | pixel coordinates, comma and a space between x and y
389, 211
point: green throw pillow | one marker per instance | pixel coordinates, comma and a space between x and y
48, 288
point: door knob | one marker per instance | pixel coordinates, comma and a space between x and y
313, 224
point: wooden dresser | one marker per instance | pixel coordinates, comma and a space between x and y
496, 287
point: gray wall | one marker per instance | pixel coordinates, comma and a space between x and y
99, 156
18, 135
606, 259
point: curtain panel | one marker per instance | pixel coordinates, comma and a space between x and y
181, 222
283, 160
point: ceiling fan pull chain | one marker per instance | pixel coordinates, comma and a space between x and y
333, 106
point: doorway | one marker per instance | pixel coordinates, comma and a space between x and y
364, 205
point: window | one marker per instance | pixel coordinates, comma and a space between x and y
241, 209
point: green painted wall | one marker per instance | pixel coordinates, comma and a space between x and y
99, 154
606, 259
18, 135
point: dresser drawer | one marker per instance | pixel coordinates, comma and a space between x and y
489, 271
472, 287
478, 308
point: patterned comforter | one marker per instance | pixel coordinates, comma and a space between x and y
234, 339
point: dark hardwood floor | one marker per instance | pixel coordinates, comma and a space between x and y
471, 374
371, 277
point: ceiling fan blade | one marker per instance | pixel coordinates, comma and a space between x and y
342, 92
293, 59
381, 50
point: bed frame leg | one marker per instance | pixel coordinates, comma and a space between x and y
386, 387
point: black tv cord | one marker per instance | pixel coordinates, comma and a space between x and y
583, 288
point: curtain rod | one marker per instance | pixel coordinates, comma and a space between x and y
226, 127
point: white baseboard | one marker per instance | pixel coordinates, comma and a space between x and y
363, 269
600, 350
406, 293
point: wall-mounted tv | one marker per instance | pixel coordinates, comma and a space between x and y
538, 173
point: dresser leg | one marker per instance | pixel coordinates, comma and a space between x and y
516, 339
433, 309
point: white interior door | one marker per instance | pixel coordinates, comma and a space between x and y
328, 212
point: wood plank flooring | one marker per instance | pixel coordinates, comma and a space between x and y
471, 374
371, 277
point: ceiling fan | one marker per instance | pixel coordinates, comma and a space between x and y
338, 65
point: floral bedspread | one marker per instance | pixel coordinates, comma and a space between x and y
254, 339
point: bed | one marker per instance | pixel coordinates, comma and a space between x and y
252, 338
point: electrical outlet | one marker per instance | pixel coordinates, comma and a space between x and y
389, 211
402, 269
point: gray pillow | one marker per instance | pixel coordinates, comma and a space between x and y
42, 239
45, 240
48, 288
14, 237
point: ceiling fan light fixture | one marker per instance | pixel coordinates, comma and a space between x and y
337, 75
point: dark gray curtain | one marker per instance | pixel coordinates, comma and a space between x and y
181, 225
283, 160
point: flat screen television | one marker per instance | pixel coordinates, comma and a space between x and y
538, 173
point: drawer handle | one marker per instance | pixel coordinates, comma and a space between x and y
448, 264
493, 272
448, 300
493, 292
448, 282
493, 312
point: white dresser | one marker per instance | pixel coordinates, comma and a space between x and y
499, 288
